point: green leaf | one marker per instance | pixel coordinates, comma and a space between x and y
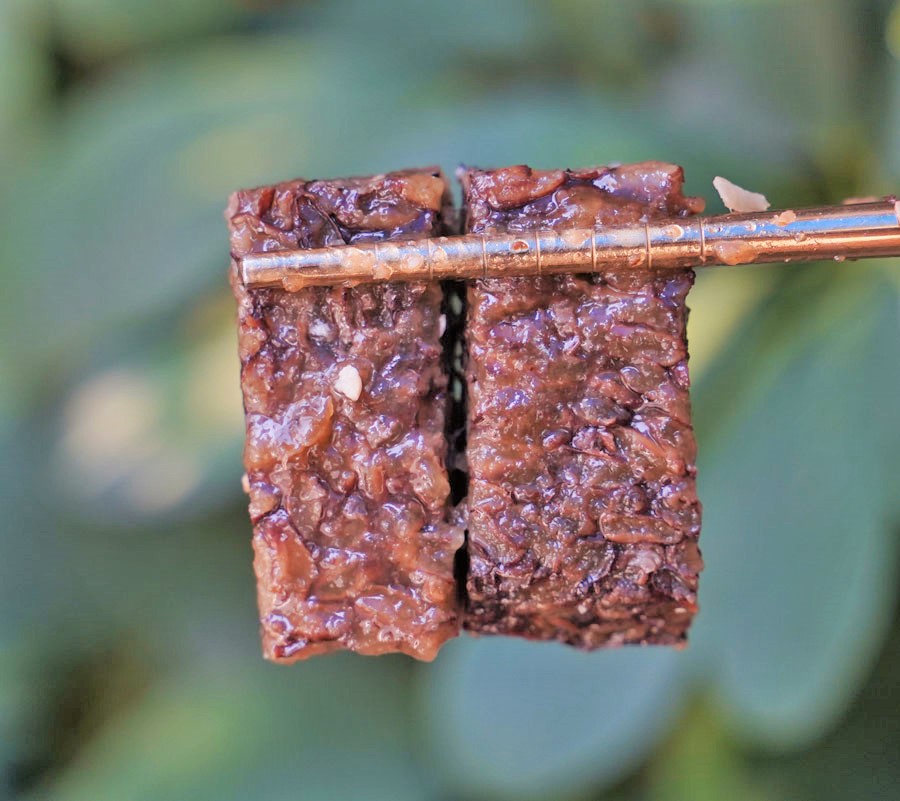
34, 576
407, 33
891, 145
798, 488
783, 87
94, 29
701, 762
153, 431
17, 701
187, 592
514, 719
24, 82
330, 730
858, 759
805, 57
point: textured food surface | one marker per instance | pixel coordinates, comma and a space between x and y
582, 507
345, 394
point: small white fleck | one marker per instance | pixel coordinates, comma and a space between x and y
442, 325
786, 218
359, 260
349, 382
382, 271
574, 238
320, 329
413, 262
607, 182
738, 199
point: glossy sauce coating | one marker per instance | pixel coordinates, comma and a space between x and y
345, 396
582, 508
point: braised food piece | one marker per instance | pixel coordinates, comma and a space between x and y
583, 512
345, 395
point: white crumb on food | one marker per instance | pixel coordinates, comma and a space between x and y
573, 237
646, 562
293, 283
738, 199
442, 325
359, 260
348, 382
320, 329
413, 261
786, 218
245, 484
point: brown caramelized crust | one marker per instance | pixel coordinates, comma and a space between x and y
582, 506
353, 543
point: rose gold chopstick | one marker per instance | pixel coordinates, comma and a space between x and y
852, 231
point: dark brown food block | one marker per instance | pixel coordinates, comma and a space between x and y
345, 396
583, 513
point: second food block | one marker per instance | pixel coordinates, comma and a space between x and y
582, 509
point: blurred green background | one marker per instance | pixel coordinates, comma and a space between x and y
129, 659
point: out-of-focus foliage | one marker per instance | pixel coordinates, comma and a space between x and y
93, 30
129, 664
798, 620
